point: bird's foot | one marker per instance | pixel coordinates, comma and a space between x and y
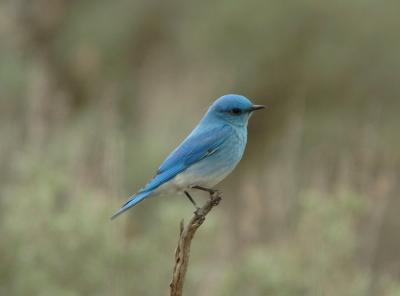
215, 197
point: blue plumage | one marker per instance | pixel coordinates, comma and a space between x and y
207, 155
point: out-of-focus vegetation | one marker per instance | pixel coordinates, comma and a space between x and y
94, 94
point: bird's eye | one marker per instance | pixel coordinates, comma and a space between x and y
236, 111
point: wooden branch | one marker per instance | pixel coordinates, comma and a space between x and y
185, 239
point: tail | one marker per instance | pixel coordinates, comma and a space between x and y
134, 200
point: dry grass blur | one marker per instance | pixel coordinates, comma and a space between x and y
94, 94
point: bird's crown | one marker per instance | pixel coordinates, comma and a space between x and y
232, 109
232, 104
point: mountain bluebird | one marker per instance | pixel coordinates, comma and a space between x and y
206, 156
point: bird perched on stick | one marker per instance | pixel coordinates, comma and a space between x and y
206, 156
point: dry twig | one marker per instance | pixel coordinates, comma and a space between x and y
185, 239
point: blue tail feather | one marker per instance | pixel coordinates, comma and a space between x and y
134, 200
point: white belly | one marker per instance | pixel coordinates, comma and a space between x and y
188, 179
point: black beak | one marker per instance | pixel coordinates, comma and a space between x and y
257, 107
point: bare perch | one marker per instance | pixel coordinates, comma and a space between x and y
185, 239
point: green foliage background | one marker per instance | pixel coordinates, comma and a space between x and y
94, 94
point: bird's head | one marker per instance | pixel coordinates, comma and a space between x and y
234, 109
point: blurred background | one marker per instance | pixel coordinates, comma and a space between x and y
95, 94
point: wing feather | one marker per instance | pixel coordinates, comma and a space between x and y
196, 147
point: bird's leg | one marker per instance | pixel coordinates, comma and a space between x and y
209, 190
215, 195
191, 200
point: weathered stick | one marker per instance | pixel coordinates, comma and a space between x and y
185, 239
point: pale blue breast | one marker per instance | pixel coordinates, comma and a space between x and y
214, 168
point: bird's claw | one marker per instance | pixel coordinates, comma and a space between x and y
216, 197
215, 201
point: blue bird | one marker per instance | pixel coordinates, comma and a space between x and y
206, 156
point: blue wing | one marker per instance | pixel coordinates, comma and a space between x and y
197, 146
